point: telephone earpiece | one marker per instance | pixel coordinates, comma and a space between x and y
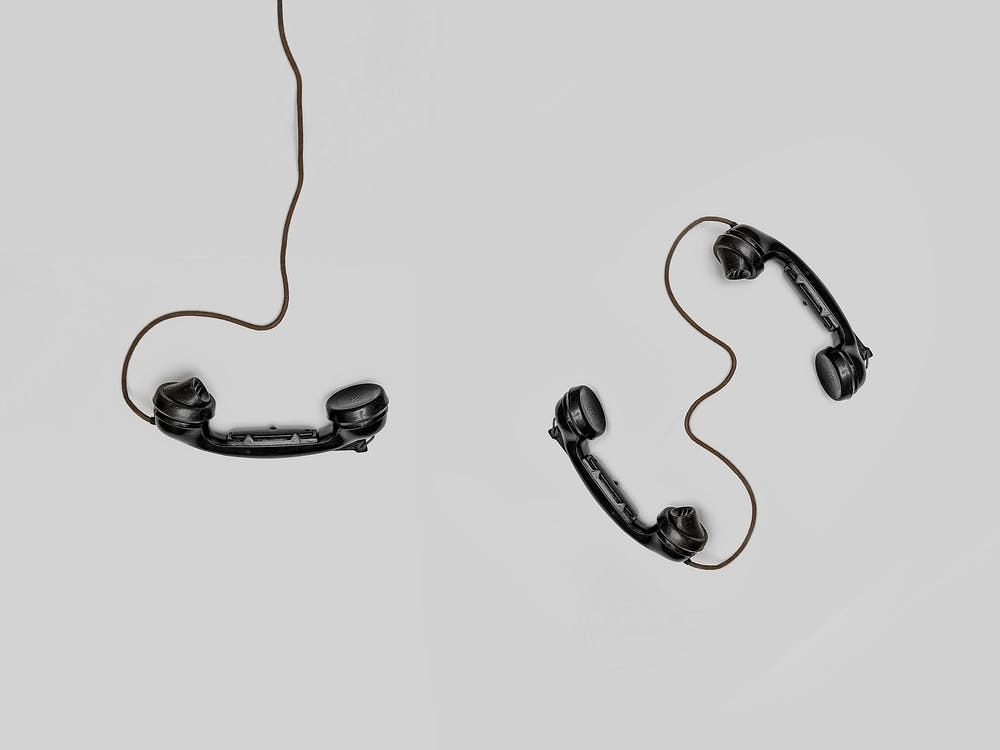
841, 368
840, 372
681, 533
740, 257
359, 409
183, 411
584, 413
677, 533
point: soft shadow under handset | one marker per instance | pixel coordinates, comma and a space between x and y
184, 409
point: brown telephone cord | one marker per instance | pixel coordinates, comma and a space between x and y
281, 258
719, 387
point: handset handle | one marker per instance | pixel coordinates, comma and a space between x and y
184, 410
818, 298
750, 248
607, 492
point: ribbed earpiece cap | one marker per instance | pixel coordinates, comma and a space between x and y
740, 257
187, 402
734, 265
681, 532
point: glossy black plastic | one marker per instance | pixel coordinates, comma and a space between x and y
184, 410
841, 368
677, 533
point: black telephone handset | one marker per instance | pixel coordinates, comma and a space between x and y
184, 410
677, 533
841, 368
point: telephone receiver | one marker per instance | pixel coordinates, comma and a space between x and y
183, 410
841, 368
677, 534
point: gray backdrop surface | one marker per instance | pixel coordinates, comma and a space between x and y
490, 192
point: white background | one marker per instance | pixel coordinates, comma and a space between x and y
490, 192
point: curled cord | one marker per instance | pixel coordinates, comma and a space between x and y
281, 258
719, 387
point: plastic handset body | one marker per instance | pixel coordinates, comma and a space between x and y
819, 299
606, 491
677, 533
269, 442
183, 410
813, 291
